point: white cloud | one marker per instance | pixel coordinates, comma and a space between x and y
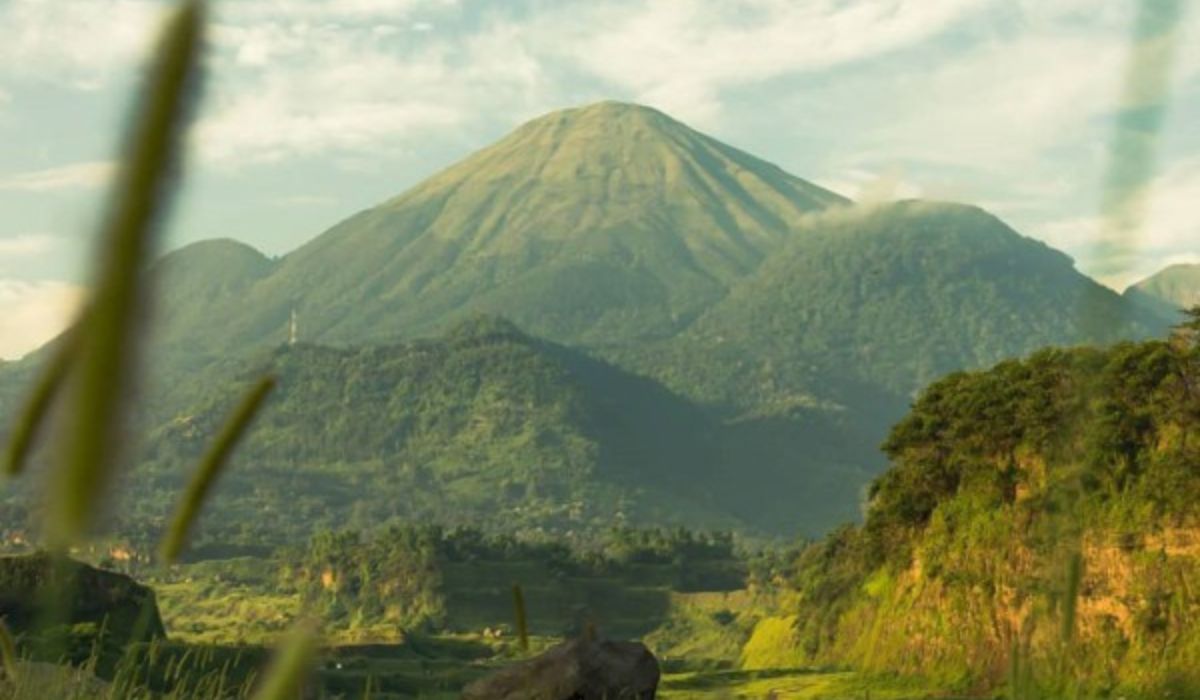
868, 187
300, 89
298, 77
32, 313
681, 55
1001, 105
27, 245
77, 42
325, 11
1170, 231
89, 175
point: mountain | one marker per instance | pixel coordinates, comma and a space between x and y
1169, 290
198, 280
963, 571
887, 299
788, 326
605, 224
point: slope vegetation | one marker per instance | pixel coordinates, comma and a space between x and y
890, 298
485, 426
999, 479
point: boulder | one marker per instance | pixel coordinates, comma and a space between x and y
40, 591
581, 669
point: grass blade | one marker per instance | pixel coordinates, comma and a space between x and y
1071, 596
210, 468
105, 368
8, 652
37, 408
522, 619
292, 663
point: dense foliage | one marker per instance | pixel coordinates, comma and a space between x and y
429, 578
998, 479
485, 426
868, 303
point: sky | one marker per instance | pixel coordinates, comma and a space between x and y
315, 109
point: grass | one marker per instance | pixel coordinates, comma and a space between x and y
793, 684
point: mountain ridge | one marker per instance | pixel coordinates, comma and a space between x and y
791, 323
1168, 291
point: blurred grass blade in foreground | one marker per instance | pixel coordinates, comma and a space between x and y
292, 664
522, 618
103, 375
210, 468
8, 652
36, 411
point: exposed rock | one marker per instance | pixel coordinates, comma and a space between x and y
575, 670
39, 591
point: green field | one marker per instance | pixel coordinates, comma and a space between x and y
698, 636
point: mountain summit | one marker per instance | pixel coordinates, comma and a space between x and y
606, 223
1168, 291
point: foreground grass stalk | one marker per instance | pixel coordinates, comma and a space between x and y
104, 372
211, 467
8, 652
37, 408
522, 619
293, 662
1071, 597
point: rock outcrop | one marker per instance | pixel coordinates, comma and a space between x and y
581, 669
40, 591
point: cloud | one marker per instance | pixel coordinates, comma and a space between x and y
325, 11
867, 187
681, 55
27, 245
89, 175
32, 313
293, 88
1170, 232
81, 43
302, 78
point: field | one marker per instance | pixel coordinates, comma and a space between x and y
697, 636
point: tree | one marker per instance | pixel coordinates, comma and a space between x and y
1185, 341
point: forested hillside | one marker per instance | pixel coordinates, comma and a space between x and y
890, 298
999, 481
485, 426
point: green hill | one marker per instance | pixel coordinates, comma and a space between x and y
962, 571
485, 426
198, 281
1169, 290
887, 299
